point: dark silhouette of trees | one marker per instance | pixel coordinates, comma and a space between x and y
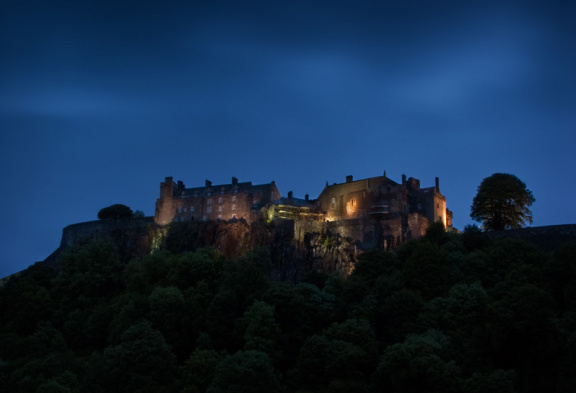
444, 313
502, 202
115, 212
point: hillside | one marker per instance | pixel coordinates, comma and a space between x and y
445, 313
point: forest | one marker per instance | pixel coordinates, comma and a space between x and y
448, 312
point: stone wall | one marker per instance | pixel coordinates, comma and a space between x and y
133, 236
548, 238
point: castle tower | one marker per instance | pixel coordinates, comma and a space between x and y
165, 209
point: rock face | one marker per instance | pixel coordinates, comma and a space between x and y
295, 246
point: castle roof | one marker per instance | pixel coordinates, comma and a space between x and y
298, 202
226, 188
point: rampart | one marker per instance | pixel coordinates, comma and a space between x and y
547, 238
133, 236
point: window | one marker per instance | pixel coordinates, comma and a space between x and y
208, 193
219, 208
234, 199
179, 210
333, 203
191, 209
184, 210
235, 191
209, 202
219, 216
233, 208
220, 200
222, 192
209, 209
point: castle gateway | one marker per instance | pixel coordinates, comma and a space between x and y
401, 211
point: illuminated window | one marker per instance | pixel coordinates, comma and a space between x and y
333, 203
233, 208
219, 208
220, 200
219, 216
234, 199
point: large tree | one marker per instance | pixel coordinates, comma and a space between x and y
502, 203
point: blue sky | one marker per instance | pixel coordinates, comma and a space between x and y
101, 100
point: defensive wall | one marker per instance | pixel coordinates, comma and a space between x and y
133, 236
547, 238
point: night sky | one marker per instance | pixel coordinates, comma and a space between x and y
101, 100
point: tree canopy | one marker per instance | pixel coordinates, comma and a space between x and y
502, 202
450, 313
115, 212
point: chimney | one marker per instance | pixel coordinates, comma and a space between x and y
289, 194
349, 178
437, 184
234, 181
208, 183
307, 197
403, 179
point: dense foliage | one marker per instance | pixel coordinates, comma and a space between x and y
446, 313
116, 212
502, 202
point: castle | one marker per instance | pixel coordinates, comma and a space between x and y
401, 210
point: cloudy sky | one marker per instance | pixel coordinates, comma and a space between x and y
100, 100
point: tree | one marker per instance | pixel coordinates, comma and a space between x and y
502, 203
245, 372
115, 212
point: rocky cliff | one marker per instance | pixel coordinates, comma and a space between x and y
296, 247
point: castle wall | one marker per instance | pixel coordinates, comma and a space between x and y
220, 202
371, 213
